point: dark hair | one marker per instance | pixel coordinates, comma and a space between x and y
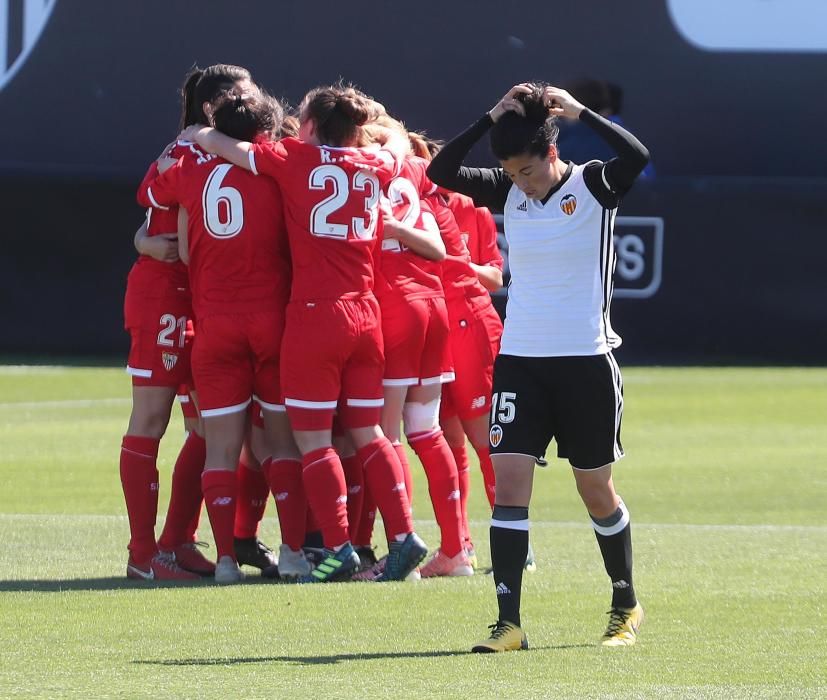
189, 115
337, 111
422, 146
213, 81
532, 134
594, 94
246, 116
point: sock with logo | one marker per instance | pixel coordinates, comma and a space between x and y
487, 468
185, 495
285, 479
464, 477
386, 480
326, 490
253, 492
509, 547
614, 536
402, 454
364, 534
139, 478
220, 487
355, 480
443, 487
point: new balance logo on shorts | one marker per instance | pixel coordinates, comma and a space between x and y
478, 402
223, 501
282, 496
354, 489
502, 589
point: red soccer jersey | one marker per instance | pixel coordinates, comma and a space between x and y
458, 277
401, 272
478, 228
154, 276
236, 231
331, 203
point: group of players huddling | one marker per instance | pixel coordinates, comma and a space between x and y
295, 233
311, 294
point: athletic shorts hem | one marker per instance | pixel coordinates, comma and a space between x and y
225, 410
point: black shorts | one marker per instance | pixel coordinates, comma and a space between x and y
578, 401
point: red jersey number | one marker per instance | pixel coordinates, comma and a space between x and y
363, 181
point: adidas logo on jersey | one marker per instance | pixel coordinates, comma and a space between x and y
523, 206
502, 589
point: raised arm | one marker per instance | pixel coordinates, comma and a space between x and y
213, 141
488, 187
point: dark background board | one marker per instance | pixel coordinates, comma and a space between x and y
736, 139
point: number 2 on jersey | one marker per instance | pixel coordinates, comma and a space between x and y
363, 181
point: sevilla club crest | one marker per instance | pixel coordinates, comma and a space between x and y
169, 359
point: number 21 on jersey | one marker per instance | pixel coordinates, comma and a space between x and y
327, 176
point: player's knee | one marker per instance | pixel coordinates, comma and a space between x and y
420, 417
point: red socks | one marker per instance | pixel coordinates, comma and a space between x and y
285, 478
355, 480
139, 478
386, 481
364, 533
487, 468
185, 495
443, 486
324, 484
253, 491
220, 488
464, 477
402, 453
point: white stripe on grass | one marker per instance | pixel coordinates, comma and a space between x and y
562, 524
68, 403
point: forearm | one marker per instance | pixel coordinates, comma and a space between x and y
140, 237
486, 186
230, 149
491, 277
632, 155
423, 243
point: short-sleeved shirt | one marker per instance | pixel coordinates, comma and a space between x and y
239, 262
331, 202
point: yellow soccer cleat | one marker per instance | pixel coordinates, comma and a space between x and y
624, 625
505, 636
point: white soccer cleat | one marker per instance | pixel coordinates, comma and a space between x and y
293, 564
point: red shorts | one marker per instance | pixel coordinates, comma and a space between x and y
161, 332
235, 357
475, 341
415, 332
187, 404
332, 356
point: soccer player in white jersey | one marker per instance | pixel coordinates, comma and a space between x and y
555, 376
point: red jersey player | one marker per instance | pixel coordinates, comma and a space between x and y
332, 353
239, 272
158, 312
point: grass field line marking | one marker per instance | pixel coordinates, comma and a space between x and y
563, 524
68, 403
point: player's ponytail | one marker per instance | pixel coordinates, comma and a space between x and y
338, 112
532, 134
189, 106
247, 116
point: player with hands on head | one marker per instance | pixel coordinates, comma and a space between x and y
555, 376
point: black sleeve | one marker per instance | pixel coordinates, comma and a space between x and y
609, 181
488, 187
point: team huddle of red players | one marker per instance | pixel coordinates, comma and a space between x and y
310, 295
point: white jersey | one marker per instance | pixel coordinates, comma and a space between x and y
562, 258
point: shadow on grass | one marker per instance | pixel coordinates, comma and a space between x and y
333, 658
111, 584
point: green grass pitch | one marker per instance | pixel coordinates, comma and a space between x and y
725, 478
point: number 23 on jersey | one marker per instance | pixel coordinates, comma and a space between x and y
332, 177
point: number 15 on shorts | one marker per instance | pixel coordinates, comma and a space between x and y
503, 408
